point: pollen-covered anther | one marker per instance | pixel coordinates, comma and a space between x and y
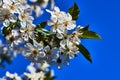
66, 23
56, 24
34, 52
23, 16
12, 7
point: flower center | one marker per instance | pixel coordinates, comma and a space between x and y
12, 7
28, 29
6, 16
73, 35
66, 23
56, 24
34, 52
23, 16
56, 13
12, 38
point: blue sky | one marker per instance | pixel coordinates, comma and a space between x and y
104, 18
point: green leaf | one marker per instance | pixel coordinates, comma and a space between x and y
74, 11
43, 31
6, 30
40, 37
41, 25
40, 2
80, 30
86, 34
48, 76
31, 41
90, 35
4, 58
84, 52
85, 28
40, 28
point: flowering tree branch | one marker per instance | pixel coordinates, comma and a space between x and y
43, 47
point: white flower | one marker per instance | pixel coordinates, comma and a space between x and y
11, 6
13, 76
27, 32
56, 14
31, 68
68, 48
38, 11
61, 22
68, 22
35, 53
57, 25
44, 66
4, 14
13, 38
35, 76
25, 19
74, 38
7, 16
3, 78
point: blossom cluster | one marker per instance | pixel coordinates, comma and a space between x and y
33, 72
44, 47
23, 30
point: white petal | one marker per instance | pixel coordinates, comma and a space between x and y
53, 29
31, 68
23, 23
6, 23
32, 0
54, 18
7, 2
8, 74
69, 17
13, 18
60, 36
49, 11
56, 9
44, 66
42, 54
63, 43
25, 37
38, 11
28, 11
